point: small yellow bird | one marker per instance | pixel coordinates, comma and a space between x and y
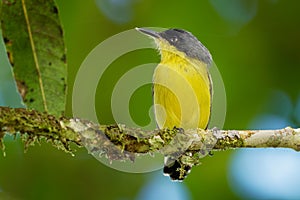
182, 87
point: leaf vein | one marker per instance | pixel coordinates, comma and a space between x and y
34, 55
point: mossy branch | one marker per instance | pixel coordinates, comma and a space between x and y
118, 142
34, 126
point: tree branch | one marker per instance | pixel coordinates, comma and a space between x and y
118, 142
34, 126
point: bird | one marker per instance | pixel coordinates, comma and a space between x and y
182, 88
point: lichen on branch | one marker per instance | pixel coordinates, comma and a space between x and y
118, 142
34, 126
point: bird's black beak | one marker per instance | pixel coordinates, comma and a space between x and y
149, 32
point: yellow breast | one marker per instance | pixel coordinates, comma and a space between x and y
181, 90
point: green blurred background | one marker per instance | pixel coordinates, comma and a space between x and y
255, 45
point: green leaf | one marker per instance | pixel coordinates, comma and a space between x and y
34, 41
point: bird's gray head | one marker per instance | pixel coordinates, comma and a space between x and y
183, 41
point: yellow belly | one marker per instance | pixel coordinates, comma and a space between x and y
182, 96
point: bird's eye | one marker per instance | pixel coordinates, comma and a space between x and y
174, 39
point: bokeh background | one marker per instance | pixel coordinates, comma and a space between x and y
256, 46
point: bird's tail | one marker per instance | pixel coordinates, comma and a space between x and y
176, 169
179, 166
